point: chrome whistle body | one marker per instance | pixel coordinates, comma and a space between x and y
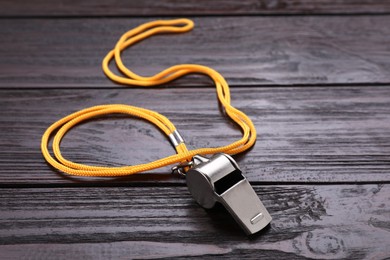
219, 179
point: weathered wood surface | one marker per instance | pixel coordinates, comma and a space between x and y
189, 7
325, 222
255, 51
321, 134
317, 88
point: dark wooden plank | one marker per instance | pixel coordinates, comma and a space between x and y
189, 7
324, 222
339, 134
247, 50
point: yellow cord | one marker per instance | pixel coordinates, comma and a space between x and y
130, 78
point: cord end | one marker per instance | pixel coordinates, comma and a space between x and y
175, 138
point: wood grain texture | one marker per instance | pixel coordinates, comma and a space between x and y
339, 134
246, 50
324, 222
190, 7
317, 88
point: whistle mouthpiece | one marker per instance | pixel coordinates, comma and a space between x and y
219, 179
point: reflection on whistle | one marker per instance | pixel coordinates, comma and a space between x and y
219, 179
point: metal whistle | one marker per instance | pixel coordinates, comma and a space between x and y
219, 179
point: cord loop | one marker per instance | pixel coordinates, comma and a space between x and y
130, 78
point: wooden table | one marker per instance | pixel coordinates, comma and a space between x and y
313, 75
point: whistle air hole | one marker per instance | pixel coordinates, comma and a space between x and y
228, 181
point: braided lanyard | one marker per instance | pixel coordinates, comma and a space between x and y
130, 78
209, 180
